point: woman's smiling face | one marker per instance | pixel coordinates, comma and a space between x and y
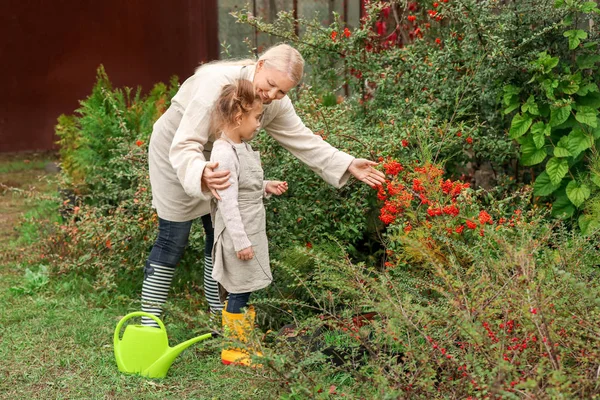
271, 84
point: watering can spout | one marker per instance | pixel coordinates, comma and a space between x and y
182, 346
163, 363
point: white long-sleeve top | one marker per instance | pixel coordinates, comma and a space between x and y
181, 143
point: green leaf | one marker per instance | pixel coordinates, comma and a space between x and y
590, 100
546, 62
561, 149
510, 91
590, 87
562, 207
530, 106
574, 36
524, 139
588, 224
559, 115
559, 3
543, 186
549, 63
570, 88
571, 84
595, 177
578, 141
512, 107
531, 155
539, 130
587, 115
520, 125
589, 7
549, 85
578, 193
586, 61
561, 152
557, 168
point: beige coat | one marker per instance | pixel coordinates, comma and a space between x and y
181, 143
239, 221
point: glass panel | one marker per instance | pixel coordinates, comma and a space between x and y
267, 10
234, 34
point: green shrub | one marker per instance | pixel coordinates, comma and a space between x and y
431, 95
109, 224
556, 122
445, 74
97, 145
508, 315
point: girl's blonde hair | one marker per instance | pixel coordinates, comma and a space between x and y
281, 57
236, 98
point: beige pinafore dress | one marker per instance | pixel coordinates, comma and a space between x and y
235, 275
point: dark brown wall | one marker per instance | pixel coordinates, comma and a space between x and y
50, 49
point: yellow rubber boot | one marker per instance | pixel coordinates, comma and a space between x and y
238, 326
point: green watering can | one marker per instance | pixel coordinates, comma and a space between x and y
145, 350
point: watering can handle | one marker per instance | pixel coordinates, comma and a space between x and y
136, 314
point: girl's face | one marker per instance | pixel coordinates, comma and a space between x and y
271, 84
250, 122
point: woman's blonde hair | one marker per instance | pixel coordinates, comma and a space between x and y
281, 57
284, 58
237, 98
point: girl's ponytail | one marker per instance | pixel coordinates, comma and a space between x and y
235, 99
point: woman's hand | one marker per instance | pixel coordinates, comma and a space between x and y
245, 254
214, 180
363, 171
276, 187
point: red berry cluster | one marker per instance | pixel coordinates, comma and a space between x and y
422, 191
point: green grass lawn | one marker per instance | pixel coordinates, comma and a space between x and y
56, 333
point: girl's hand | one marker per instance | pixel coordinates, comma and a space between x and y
245, 254
276, 187
363, 171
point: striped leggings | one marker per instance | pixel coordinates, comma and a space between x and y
160, 266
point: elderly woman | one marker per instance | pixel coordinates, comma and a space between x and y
182, 180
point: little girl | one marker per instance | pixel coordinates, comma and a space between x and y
240, 251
